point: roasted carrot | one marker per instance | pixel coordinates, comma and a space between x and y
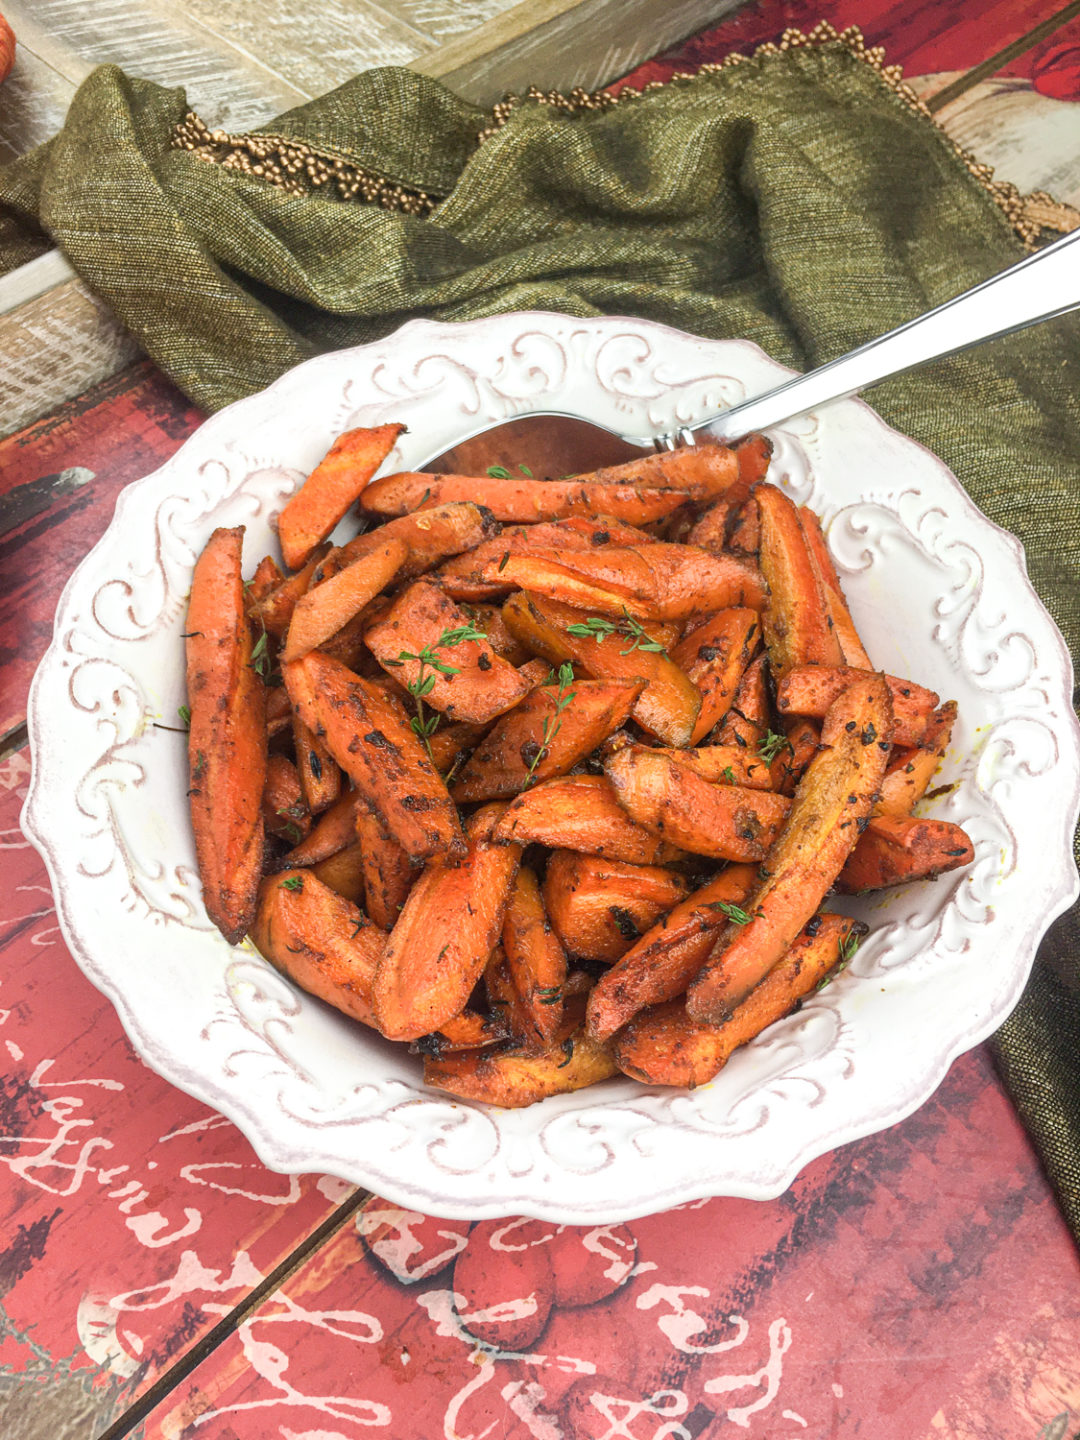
666, 1046
278, 711
388, 872
320, 777
371, 741
319, 939
535, 961
227, 739
897, 849
266, 579
275, 610
429, 537
726, 765
544, 736
444, 935
334, 829
811, 689
668, 705
468, 1031
599, 908
343, 872
328, 606
710, 529
833, 801
911, 770
744, 532
464, 678
517, 501
514, 1080
796, 620
488, 618
331, 488
746, 723
843, 625
704, 471
725, 822
714, 656
663, 962
462, 576
581, 812
285, 812
753, 454
803, 739
450, 744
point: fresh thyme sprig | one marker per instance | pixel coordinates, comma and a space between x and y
599, 627
422, 684
772, 745
564, 697
735, 913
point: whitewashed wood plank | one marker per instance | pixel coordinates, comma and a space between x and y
160, 44
443, 18
315, 47
33, 104
54, 347
558, 44
35, 278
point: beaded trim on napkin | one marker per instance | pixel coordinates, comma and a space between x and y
299, 168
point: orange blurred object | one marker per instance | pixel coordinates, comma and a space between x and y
7, 49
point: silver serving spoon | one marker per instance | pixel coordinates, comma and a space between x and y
1043, 286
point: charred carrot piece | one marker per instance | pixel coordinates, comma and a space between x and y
388, 872
320, 777
320, 940
522, 501
535, 961
275, 610
726, 765
746, 723
278, 711
450, 744
704, 471
468, 1031
227, 739
462, 577
488, 618
513, 1081
285, 812
803, 742
668, 705
663, 962
811, 689
599, 908
714, 656
332, 604
582, 813
744, 532
444, 935
429, 537
897, 849
334, 829
666, 1046
331, 488
851, 646
266, 579
832, 803
464, 679
796, 620
371, 740
725, 822
710, 530
911, 770
545, 736
754, 455
343, 873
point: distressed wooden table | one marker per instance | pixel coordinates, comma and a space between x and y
155, 1279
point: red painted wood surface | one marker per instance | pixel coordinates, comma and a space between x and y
917, 1283
132, 1217
121, 430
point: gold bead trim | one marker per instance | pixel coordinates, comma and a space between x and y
300, 169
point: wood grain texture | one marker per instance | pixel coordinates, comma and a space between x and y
132, 1216
441, 19
919, 1282
34, 103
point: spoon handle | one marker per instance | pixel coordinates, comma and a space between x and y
1041, 287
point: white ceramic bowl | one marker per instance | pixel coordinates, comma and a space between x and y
940, 595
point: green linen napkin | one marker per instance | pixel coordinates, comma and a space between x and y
799, 199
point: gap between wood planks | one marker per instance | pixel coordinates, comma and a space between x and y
994, 63
169, 1379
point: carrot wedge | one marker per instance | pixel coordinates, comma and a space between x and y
536, 741
328, 606
334, 829
726, 765
429, 536
331, 488
723, 821
320, 940
465, 680
468, 1031
388, 872
462, 577
835, 603
522, 501
714, 656
266, 579
344, 873
911, 770
832, 803
668, 705
320, 777
444, 935
285, 812
581, 813
535, 960
746, 723
274, 611
513, 1081
663, 962
666, 1046
811, 689
599, 908
796, 620
705, 471
370, 739
895, 850
227, 740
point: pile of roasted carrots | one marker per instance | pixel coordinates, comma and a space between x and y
550, 778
